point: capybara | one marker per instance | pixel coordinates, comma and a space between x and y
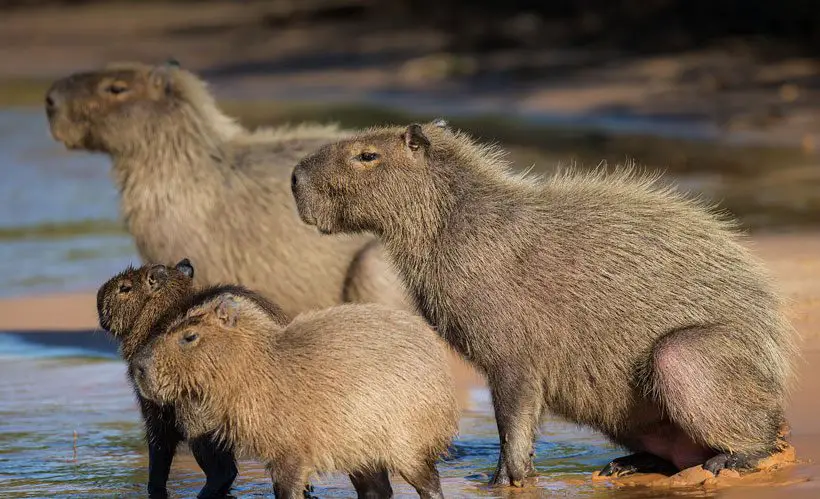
602, 297
194, 183
128, 306
358, 388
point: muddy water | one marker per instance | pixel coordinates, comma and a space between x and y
69, 427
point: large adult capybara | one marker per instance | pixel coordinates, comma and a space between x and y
129, 304
602, 297
358, 388
196, 184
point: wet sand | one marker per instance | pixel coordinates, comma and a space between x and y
793, 258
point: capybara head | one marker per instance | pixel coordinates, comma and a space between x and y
364, 183
200, 349
121, 299
114, 108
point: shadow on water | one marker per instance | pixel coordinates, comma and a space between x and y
53, 384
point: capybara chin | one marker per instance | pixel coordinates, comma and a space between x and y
358, 388
129, 305
602, 297
194, 183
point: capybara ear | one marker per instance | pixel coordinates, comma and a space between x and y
227, 310
173, 62
186, 267
156, 277
441, 123
414, 137
160, 78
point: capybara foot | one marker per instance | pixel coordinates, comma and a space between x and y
502, 477
157, 492
640, 462
737, 462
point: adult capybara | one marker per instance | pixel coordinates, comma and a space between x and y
602, 297
128, 306
196, 184
358, 388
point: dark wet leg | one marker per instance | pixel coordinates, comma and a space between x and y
372, 485
219, 466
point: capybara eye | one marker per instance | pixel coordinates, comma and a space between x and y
116, 88
368, 156
125, 287
190, 337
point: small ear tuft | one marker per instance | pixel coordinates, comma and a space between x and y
186, 267
160, 78
173, 62
157, 276
414, 137
441, 123
227, 310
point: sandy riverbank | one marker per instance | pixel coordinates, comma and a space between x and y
793, 258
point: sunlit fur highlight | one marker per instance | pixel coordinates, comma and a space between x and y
195, 183
353, 388
604, 297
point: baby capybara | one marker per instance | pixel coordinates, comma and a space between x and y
602, 297
362, 389
128, 305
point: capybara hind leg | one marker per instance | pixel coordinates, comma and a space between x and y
518, 402
372, 484
640, 462
425, 480
721, 390
738, 462
218, 463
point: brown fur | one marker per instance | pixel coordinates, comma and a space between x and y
601, 297
129, 306
358, 388
129, 303
195, 184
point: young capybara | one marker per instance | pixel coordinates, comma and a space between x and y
602, 297
359, 388
128, 306
194, 183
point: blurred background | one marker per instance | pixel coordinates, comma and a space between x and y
720, 94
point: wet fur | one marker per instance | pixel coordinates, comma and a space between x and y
362, 389
129, 317
601, 297
194, 183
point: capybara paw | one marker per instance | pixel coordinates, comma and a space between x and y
157, 492
736, 462
308, 492
502, 479
641, 462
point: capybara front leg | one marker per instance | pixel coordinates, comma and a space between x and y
372, 484
425, 479
517, 401
162, 437
218, 463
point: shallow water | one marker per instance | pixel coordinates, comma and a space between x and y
58, 212
48, 392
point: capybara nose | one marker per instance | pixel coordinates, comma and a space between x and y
52, 101
294, 182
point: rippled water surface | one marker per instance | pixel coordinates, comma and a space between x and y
69, 427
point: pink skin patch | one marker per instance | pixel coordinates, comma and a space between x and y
669, 442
